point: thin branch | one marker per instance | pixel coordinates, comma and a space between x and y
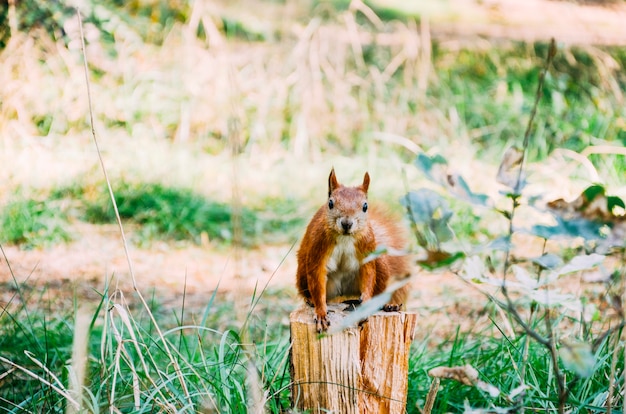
550, 341
525, 144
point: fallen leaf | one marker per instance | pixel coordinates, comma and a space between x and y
591, 204
509, 170
578, 357
466, 374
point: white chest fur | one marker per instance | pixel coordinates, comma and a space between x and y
342, 269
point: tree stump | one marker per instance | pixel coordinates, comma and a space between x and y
363, 369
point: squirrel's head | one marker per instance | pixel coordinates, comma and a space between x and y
347, 206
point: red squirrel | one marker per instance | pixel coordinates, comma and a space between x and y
342, 233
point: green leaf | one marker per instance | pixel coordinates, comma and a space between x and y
441, 229
505, 213
368, 308
427, 165
502, 243
473, 269
613, 202
464, 192
382, 250
524, 278
423, 204
443, 259
578, 357
593, 191
583, 262
548, 261
568, 228
434, 169
552, 298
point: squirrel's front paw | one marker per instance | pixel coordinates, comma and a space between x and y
392, 307
322, 322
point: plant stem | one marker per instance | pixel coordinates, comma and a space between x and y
525, 144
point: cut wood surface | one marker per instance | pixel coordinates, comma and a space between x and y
363, 369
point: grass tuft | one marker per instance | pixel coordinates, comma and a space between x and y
129, 368
32, 223
180, 214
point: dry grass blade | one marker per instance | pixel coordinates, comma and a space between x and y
256, 395
58, 388
79, 357
118, 219
466, 374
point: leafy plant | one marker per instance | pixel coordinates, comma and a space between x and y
532, 296
503, 361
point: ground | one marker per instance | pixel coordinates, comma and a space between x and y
97, 252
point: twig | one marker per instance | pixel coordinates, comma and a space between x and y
432, 395
550, 341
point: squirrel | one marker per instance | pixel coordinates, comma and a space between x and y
342, 233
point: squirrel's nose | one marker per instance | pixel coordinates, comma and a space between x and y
346, 224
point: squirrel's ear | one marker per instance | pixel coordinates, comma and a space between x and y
332, 182
366, 182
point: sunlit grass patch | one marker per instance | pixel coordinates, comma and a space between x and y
33, 223
180, 214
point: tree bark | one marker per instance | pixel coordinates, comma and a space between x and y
363, 369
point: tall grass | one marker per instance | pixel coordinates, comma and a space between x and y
129, 369
342, 81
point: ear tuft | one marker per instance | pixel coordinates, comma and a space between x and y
332, 182
366, 182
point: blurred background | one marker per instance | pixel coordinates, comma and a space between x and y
218, 121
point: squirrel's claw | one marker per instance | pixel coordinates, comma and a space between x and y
322, 323
392, 307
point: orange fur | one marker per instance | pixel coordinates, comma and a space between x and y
340, 235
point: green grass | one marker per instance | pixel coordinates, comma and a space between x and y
160, 212
179, 214
468, 99
168, 213
507, 363
33, 223
131, 368
129, 363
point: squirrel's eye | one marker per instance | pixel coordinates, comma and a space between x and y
365, 207
331, 204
